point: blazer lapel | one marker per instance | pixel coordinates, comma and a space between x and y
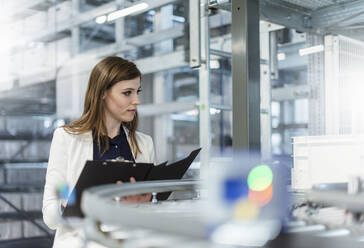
128, 139
90, 147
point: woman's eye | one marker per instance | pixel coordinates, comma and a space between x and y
139, 91
127, 93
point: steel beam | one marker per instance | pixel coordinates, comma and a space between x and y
246, 74
23, 8
54, 33
220, 53
291, 93
221, 19
280, 13
119, 29
162, 86
330, 17
160, 35
75, 31
162, 62
266, 53
204, 92
194, 33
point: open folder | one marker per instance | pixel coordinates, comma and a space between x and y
108, 172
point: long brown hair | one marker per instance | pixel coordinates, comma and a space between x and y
104, 75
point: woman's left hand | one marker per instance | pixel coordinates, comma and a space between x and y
135, 198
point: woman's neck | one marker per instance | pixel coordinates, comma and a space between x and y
112, 128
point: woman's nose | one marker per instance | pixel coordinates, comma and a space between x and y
136, 100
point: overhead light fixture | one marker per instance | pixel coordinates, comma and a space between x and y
214, 111
214, 64
127, 11
101, 19
281, 56
193, 112
180, 19
311, 50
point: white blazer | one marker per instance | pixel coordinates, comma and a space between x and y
68, 155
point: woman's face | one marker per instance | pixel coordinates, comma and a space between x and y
121, 100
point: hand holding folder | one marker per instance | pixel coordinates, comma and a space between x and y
135, 198
108, 172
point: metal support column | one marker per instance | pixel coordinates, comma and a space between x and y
75, 31
120, 29
246, 75
162, 87
266, 91
204, 90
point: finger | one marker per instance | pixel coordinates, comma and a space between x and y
131, 199
132, 180
142, 200
147, 197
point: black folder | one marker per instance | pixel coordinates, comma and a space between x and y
97, 173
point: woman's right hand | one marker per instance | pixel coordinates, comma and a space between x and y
64, 203
135, 198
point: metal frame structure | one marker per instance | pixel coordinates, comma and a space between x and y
315, 16
204, 89
248, 117
187, 226
267, 31
316, 83
246, 75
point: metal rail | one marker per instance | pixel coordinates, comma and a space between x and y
98, 207
25, 216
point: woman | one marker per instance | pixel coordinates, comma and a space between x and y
106, 130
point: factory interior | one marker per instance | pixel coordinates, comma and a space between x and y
268, 89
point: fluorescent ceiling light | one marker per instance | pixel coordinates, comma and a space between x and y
101, 19
180, 19
281, 56
214, 111
127, 11
214, 64
310, 50
193, 112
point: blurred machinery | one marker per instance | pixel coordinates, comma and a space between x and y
236, 208
238, 204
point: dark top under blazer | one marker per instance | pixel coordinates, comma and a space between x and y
119, 147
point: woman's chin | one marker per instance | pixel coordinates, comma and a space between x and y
127, 119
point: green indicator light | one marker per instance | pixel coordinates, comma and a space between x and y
260, 178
